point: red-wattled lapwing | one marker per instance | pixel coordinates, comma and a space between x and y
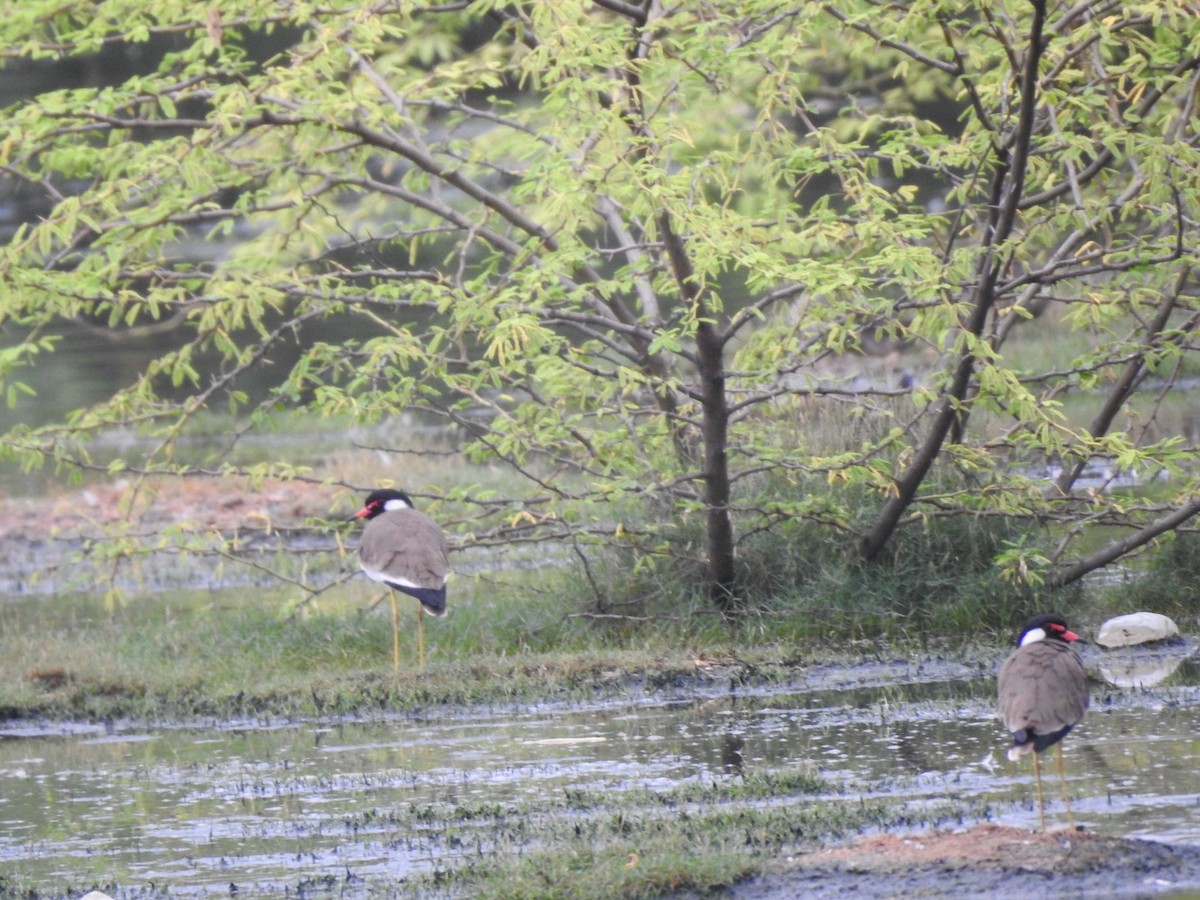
1042, 695
405, 550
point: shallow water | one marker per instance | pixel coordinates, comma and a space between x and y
267, 806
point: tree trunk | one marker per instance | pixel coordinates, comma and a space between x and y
715, 430
714, 427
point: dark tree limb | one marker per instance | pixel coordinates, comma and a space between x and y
1118, 549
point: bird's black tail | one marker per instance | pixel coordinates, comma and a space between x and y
432, 599
1025, 741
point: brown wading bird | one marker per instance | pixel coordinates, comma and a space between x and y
1042, 695
405, 550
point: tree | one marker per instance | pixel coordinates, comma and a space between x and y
642, 238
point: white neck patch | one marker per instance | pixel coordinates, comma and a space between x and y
395, 503
1036, 634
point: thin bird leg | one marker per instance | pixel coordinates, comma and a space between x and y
1062, 780
395, 635
1037, 774
420, 636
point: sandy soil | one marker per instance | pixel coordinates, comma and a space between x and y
984, 861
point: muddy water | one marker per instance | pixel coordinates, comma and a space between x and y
274, 806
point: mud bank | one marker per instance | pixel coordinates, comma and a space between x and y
984, 861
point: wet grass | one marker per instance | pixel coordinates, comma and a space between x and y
233, 653
649, 856
230, 653
594, 844
698, 837
238, 652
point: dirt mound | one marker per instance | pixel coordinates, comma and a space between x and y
988, 860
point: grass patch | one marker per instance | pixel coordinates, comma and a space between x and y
238, 652
234, 653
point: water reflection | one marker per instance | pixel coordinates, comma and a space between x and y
266, 802
1136, 667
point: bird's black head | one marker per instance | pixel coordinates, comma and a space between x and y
1046, 627
381, 501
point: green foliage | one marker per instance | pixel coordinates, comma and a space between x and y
624, 252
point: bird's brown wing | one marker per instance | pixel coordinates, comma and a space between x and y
1042, 688
407, 544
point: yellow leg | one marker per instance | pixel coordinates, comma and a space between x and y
1062, 780
420, 636
395, 635
1037, 775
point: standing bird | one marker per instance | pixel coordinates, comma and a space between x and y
1042, 695
405, 550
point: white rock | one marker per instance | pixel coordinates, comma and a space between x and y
95, 895
1136, 628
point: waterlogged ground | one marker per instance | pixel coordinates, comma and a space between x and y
386, 806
